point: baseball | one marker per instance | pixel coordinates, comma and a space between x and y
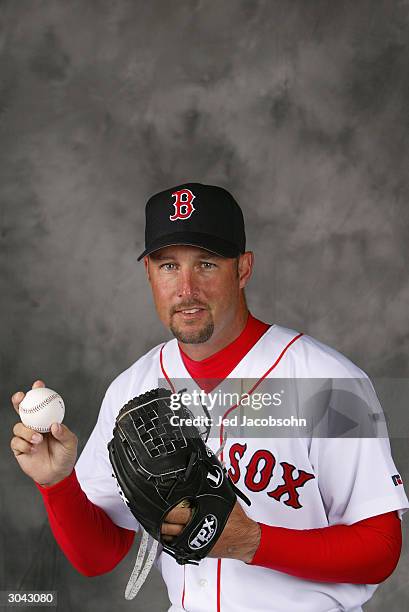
40, 408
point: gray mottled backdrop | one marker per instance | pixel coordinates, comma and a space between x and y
299, 107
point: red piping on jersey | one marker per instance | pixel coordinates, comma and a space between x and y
184, 584
219, 561
257, 384
209, 372
163, 369
219, 580
219, 565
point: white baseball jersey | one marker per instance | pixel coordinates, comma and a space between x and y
345, 480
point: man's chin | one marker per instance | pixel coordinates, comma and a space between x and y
197, 336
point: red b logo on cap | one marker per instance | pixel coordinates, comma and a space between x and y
183, 204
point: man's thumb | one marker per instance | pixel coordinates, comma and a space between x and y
56, 430
62, 434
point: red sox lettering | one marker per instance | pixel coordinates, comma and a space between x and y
267, 460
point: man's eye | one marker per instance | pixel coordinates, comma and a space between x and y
168, 267
207, 265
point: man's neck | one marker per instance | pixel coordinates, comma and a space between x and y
217, 342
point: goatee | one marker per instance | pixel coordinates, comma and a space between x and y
193, 337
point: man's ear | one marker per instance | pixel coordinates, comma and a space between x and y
246, 263
146, 263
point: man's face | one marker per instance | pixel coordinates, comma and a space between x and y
196, 293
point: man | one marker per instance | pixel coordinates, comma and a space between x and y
323, 529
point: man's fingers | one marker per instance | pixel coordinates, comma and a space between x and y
175, 522
64, 435
167, 538
16, 399
26, 433
19, 446
38, 383
179, 515
18, 396
171, 529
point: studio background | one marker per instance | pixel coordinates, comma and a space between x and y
298, 107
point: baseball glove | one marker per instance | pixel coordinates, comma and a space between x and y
159, 462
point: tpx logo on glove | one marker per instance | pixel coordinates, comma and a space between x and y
204, 533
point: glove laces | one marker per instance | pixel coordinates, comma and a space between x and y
141, 570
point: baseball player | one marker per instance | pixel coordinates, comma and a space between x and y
324, 525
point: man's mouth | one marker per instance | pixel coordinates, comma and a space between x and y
191, 313
190, 310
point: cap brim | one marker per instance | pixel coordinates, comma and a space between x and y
209, 243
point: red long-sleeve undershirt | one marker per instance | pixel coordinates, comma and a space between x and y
85, 533
364, 553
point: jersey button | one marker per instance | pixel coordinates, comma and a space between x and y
203, 582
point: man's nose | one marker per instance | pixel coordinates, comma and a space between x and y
187, 283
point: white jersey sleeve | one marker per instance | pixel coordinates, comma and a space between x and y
94, 471
93, 468
356, 479
357, 475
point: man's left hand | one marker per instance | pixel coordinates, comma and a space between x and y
239, 539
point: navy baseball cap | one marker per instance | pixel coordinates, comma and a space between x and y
194, 214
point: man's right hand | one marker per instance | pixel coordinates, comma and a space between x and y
46, 458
